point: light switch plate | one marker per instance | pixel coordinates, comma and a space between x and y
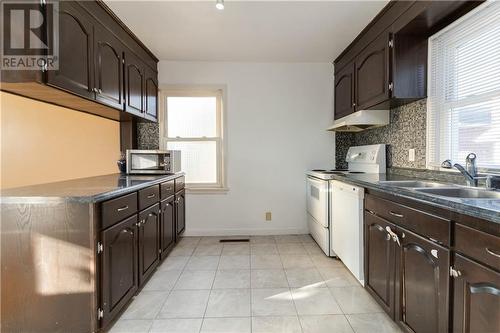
411, 155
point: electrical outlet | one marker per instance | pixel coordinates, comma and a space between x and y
411, 155
268, 216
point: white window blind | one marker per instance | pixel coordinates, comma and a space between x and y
464, 90
192, 123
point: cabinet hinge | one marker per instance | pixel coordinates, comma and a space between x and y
100, 248
100, 314
454, 272
391, 42
43, 2
45, 67
159, 250
391, 86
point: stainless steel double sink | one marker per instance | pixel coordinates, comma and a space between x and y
443, 190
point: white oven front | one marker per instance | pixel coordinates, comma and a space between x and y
317, 200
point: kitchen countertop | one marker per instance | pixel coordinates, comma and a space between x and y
90, 189
487, 209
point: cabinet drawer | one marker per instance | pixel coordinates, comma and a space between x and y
478, 245
167, 189
425, 224
179, 183
149, 196
117, 209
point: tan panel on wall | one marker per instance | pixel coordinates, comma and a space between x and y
44, 143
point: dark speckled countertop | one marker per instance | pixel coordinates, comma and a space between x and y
91, 189
488, 209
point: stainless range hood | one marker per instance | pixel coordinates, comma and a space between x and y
360, 121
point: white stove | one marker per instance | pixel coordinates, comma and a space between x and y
321, 207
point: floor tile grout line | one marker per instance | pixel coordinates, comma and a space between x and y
210, 293
294, 305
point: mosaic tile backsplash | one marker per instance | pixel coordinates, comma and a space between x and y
148, 136
406, 130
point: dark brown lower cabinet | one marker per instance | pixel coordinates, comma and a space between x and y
476, 299
148, 243
422, 284
180, 211
118, 267
167, 225
379, 261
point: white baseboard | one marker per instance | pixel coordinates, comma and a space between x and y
244, 232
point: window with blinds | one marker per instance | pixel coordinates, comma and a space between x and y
192, 122
463, 114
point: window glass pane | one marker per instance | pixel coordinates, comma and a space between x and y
199, 160
464, 95
476, 128
192, 117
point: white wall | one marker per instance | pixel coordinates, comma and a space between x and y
276, 115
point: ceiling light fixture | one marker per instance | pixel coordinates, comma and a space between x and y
219, 4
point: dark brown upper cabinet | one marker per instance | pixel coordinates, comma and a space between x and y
134, 84
476, 297
151, 94
76, 57
422, 284
344, 92
119, 267
149, 246
372, 73
390, 55
109, 58
104, 68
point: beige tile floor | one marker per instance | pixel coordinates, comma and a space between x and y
271, 284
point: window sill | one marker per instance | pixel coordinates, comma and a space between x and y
200, 190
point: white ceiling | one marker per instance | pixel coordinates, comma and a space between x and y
253, 31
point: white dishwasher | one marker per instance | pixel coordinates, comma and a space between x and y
346, 229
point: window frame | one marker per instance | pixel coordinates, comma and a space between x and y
430, 112
217, 92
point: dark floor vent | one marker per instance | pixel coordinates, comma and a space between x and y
234, 240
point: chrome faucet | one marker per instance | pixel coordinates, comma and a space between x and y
470, 170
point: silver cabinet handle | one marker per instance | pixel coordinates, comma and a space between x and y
395, 214
492, 252
455, 272
151, 196
100, 91
387, 237
394, 236
122, 208
94, 90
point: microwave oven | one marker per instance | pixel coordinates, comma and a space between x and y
154, 162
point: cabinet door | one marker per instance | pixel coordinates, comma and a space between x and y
180, 211
108, 68
118, 267
75, 38
344, 92
149, 245
379, 261
476, 300
422, 284
167, 230
372, 73
151, 94
134, 84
